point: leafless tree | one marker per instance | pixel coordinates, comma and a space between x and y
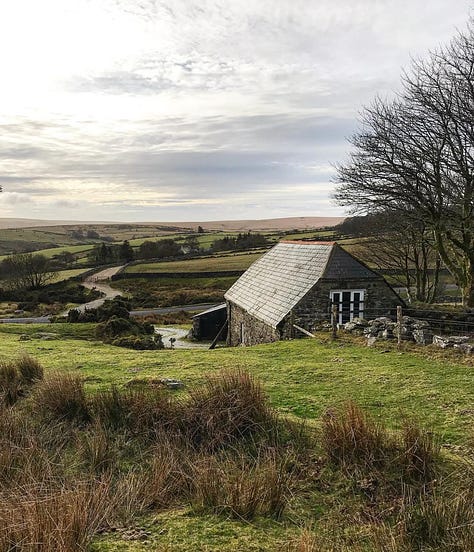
415, 155
26, 271
405, 248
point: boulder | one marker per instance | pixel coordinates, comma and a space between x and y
420, 325
171, 383
466, 348
360, 321
423, 336
450, 341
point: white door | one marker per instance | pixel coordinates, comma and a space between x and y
349, 302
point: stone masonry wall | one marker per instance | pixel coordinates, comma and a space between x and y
315, 306
254, 331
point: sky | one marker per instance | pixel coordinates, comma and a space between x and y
179, 110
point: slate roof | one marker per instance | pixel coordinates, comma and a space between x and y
212, 309
276, 282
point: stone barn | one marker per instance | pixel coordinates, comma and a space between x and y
296, 283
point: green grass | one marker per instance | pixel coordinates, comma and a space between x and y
229, 262
317, 234
67, 274
187, 532
302, 377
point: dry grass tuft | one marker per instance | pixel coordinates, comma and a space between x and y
241, 487
351, 438
62, 397
226, 408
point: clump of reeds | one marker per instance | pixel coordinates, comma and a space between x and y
419, 452
29, 369
62, 397
242, 487
17, 377
53, 519
351, 438
227, 407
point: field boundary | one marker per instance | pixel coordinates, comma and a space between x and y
154, 275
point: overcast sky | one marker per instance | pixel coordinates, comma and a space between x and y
160, 110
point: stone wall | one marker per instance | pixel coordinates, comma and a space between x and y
254, 331
315, 306
310, 312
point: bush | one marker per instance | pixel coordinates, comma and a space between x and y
115, 327
111, 308
139, 343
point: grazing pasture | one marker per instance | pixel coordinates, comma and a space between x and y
307, 445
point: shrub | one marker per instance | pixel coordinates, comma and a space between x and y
117, 307
62, 397
114, 327
140, 343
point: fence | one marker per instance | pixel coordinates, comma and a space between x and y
441, 322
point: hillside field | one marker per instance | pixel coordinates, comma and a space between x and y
237, 261
303, 379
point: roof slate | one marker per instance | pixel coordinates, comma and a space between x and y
276, 282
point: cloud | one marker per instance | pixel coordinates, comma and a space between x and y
191, 109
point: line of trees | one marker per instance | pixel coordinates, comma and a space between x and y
240, 242
109, 253
414, 156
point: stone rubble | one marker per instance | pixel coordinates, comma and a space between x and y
412, 329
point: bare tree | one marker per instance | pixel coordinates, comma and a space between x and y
26, 271
406, 249
415, 155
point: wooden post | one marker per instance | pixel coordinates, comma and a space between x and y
302, 330
399, 325
335, 318
219, 333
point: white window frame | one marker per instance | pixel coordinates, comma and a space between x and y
351, 311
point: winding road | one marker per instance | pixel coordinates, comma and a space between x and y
99, 280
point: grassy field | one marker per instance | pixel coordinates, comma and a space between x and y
237, 261
67, 274
302, 377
